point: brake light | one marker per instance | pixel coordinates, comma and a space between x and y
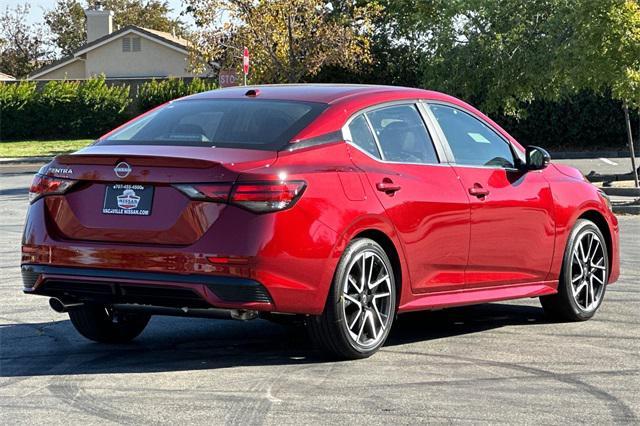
218, 192
261, 197
47, 185
266, 196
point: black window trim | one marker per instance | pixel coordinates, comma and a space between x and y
445, 143
431, 129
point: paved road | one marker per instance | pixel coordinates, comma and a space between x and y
492, 363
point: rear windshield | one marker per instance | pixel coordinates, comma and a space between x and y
225, 123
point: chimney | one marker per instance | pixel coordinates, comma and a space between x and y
99, 23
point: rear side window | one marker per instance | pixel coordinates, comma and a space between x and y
402, 135
472, 142
225, 123
361, 136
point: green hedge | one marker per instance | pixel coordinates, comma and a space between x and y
156, 92
86, 109
583, 122
66, 109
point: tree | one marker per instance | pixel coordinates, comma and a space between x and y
67, 24
604, 54
67, 21
23, 47
504, 54
288, 40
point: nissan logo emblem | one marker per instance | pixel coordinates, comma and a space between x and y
122, 170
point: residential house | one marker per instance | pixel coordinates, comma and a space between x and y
131, 52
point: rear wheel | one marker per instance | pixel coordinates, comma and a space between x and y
361, 304
584, 275
102, 324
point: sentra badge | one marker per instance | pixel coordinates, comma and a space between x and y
122, 170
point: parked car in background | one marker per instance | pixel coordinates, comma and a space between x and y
343, 205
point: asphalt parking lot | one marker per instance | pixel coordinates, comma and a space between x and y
493, 363
601, 166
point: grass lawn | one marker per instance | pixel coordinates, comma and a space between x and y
40, 148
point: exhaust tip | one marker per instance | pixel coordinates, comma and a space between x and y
57, 305
60, 307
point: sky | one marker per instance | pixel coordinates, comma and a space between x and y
39, 6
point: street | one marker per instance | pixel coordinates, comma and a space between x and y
493, 363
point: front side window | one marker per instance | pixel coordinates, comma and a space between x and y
402, 135
472, 142
224, 123
362, 137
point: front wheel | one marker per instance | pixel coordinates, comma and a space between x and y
102, 324
361, 304
584, 275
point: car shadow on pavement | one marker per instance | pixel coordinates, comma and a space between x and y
182, 344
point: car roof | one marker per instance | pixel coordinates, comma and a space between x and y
324, 93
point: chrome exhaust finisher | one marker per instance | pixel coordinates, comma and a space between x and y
60, 307
214, 313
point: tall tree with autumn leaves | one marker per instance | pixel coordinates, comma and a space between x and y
288, 39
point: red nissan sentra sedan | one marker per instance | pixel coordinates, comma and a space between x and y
341, 204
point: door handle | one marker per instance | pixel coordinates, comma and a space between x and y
387, 186
478, 190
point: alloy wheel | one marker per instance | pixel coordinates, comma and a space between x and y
367, 303
588, 271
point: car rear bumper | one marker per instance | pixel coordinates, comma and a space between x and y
145, 288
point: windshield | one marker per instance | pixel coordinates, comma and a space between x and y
225, 123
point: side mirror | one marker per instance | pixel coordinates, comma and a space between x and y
537, 158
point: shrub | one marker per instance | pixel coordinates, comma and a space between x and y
17, 108
583, 122
157, 92
61, 109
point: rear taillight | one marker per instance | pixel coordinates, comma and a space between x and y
46, 185
266, 196
207, 191
261, 197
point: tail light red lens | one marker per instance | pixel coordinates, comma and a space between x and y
218, 192
46, 185
261, 197
266, 196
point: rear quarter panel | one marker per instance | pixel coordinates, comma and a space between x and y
336, 198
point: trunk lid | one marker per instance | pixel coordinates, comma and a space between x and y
125, 193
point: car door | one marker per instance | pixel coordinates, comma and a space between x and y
422, 197
512, 225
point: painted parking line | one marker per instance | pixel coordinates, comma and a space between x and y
606, 160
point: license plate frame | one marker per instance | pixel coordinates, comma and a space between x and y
128, 199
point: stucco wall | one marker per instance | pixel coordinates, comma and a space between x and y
72, 71
153, 60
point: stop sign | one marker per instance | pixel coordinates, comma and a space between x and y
245, 61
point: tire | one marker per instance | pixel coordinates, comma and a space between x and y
581, 286
357, 318
102, 324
